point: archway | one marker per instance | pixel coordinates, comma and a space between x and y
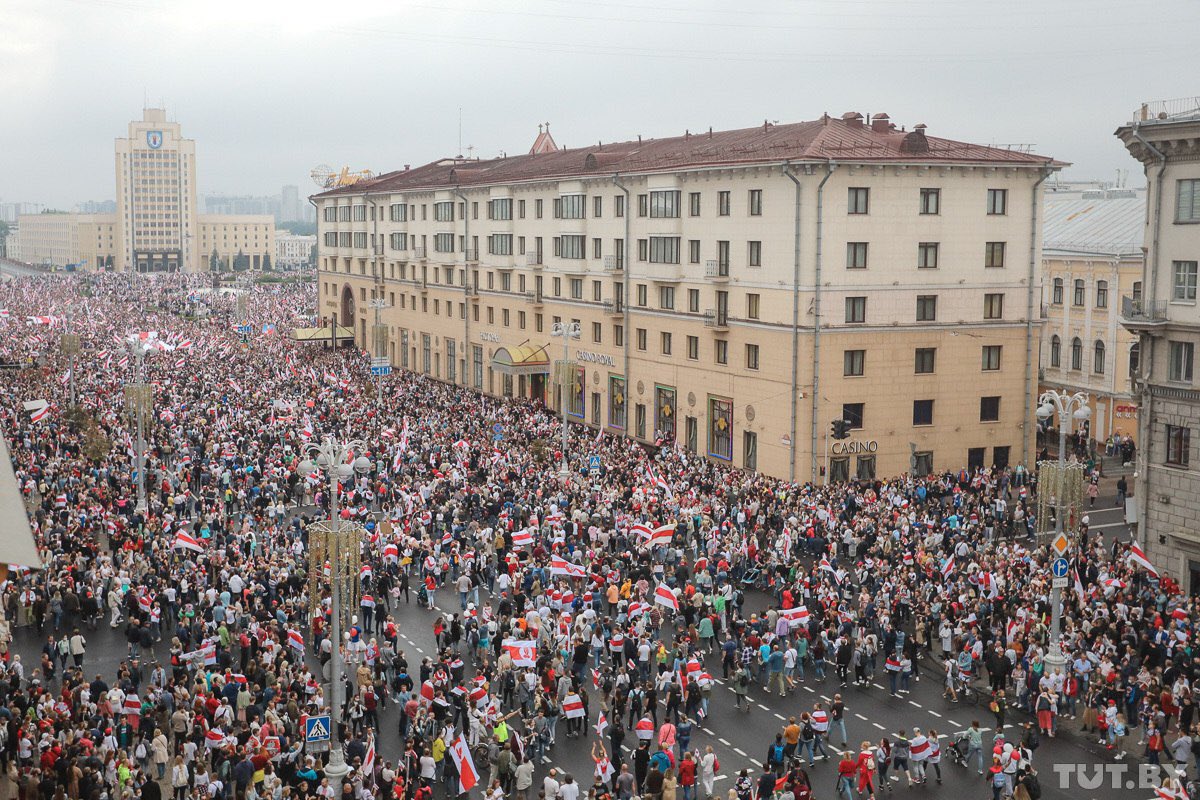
347, 318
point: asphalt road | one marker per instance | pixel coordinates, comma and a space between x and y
741, 739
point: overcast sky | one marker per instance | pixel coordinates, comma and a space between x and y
270, 89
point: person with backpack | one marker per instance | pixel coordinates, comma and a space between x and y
808, 737
866, 766
741, 688
776, 755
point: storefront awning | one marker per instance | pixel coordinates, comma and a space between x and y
522, 359
320, 334
17, 545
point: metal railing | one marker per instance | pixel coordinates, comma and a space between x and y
1138, 310
533, 259
418, 252
613, 264
716, 269
716, 319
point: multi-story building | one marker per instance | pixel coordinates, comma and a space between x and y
156, 226
289, 204
1092, 257
737, 291
293, 250
1165, 138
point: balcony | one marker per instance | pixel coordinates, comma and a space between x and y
533, 259
717, 320
472, 254
664, 273
1139, 316
419, 252
717, 270
613, 264
534, 298
614, 308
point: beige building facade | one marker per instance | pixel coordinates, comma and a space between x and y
736, 291
1091, 258
1165, 138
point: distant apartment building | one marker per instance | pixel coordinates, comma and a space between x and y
1165, 138
1091, 258
293, 251
157, 226
736, 291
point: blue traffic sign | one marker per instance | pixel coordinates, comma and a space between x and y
1059, 567
316, 729
497, 428
380, 371
594, 463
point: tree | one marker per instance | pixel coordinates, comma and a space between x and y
241, 262
266, 262
214, 261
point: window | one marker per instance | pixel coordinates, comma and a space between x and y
839, 469
694, 301
750, 450
993, 306
569, 246
1187, 201
723, 204
755, 254
1179, 361
619, 205
756, 202
641, 295
926, 308
597, 248
989, 409
639, 420
994, 254
1055, 351
537, 209
856, 309
1076, 353
858, 200
443, 243
597, 206
922, 464
641, 338
694, 204
500, 244
557, 287
1080, 296
693, 251
853, 413
619, 335
751, 356
597, 290
853, 362
1101, 294
500, 208
664, 204
616, 402
721, 352
864, 468
856, 255
927, 255
1098, 357
926, 360
991, 357
597, 332
664, 249
576, 287
752, 306
720, 428
693, 347
1179, 445
1056, 296
666, 297
443, 212
931, 201
666, 343
922, 412
1185, 280
997, 201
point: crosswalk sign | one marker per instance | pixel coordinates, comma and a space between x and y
316, 729
594, 463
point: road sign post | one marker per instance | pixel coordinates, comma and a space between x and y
316, 733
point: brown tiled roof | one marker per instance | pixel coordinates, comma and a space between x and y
825, 139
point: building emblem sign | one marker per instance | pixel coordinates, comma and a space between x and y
154, 139
852, 447
595, 358
484, 336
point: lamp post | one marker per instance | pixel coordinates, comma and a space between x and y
69, 342
379, 334
1067, 407
568, 331
339, 544
139, 398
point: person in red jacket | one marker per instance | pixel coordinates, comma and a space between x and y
865, 763
687, 776
847, 767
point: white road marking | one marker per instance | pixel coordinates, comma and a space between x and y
952, 722
860, 716
740, 752
764, 708
779, 716
720, 777
810, 689
877, 725
877, 685
914, 703
931, 711
722, 741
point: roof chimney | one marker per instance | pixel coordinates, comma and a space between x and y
881, 123
852, 119
915, 142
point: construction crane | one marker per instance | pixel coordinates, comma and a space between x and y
325, 177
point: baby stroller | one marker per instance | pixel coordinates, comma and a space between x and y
750, 577
958, 751
423, 597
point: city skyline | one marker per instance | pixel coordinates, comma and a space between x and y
1061, 85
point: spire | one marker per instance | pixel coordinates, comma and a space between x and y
544, 143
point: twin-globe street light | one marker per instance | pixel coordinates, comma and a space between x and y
338, 543
1067, 407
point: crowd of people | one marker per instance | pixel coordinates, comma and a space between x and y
607, 608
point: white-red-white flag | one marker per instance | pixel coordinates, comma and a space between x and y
665, 597
461, 754
1138, 556
523, 652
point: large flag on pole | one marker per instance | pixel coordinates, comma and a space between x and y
461, 754
1138, 556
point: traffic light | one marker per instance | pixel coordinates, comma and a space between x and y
841, 429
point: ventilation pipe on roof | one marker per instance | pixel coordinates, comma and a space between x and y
881, 123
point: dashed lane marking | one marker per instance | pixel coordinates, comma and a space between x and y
764, 708
952, 722
723, 741
740, 752
877, 685
810, 690
931, 711
877, 725
860, 716
779, 716
914, 703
